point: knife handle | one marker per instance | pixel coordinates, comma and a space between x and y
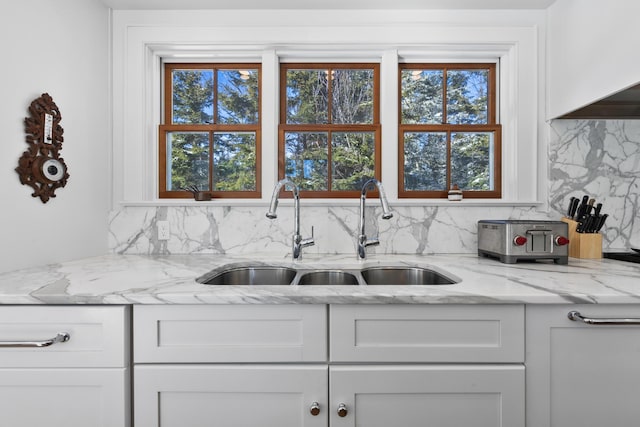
574, 207
583, 209
571, 200
598, 209
601, 221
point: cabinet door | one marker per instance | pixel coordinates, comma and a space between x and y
230, 395
64, 397
433, 395
579, 374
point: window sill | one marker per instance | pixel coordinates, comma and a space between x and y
329, 202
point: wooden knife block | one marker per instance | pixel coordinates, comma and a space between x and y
583, 245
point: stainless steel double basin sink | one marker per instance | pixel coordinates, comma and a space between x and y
263, 275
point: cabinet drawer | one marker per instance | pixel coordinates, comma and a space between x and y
427, 333
94, 397
230, 333
97, 336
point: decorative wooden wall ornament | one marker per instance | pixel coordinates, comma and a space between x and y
41, 166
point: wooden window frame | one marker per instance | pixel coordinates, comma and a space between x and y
491, 126
212, 128
329, 128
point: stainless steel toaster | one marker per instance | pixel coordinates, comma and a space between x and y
513, 240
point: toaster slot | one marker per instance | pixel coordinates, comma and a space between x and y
539, 240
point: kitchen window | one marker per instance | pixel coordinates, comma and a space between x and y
329, 132
448, 133
210, 139
140, 52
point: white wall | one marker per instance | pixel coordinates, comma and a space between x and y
60, 47
593, 51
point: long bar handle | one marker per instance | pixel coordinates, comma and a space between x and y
576, 316
60, 337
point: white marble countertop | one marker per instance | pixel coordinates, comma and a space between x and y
137, 279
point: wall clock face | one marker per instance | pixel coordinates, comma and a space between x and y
41, 166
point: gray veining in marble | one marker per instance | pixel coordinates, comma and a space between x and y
602, 159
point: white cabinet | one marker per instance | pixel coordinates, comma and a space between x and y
581, 374
428, 395
230, 395
64, 397
170, 389
387, 365
484, 389
81, 382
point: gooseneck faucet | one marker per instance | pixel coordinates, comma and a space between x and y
297, 242
363, 241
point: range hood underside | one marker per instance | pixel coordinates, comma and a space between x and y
623, 105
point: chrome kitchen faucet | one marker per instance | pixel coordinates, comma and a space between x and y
297, 242
363, 242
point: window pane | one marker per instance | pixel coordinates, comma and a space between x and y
192, 96
472, 160
307, 96
306, 159
352, 160
467, 92
425, 161
187, 160
352, 96
234, 159
237, 96
422, 96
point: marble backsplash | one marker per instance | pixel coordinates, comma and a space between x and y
602, 159
599, 158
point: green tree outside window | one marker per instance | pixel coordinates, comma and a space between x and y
212, 138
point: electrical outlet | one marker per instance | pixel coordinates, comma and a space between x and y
163, 230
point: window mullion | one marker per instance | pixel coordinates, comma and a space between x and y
448, 182
211, 164
445, 119
329, 95
329, 132
329, 162
214, 113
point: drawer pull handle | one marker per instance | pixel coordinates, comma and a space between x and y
60, 337
314, 408
576, 316
342, 410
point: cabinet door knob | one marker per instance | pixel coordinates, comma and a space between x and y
342, 410
314, 408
